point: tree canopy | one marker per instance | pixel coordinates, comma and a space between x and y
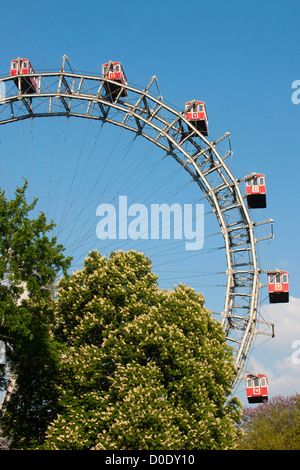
142, 368
272, 426
105, 359
29, 264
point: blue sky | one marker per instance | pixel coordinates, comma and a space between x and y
241, 58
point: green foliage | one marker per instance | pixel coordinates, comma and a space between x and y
112, 361
142, 368
27, 254
272, 426
29, 265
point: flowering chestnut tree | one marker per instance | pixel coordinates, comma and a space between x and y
141, 368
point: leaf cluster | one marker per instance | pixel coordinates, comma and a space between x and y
30, 262
108, 360
142, 368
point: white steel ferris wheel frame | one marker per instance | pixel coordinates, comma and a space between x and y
65, 93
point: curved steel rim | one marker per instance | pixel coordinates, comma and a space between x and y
74, 94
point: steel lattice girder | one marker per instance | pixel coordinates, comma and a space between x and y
73, 94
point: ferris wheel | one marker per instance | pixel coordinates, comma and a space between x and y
107, 97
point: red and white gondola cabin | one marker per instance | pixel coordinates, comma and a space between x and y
114, 71
278, 282
195, 112
23, 67
257, 388
256, 191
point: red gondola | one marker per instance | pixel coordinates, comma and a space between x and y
195, 112
23, 67
256, 191
114, 71
257, 388
278, 282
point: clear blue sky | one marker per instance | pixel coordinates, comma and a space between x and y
241, 58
